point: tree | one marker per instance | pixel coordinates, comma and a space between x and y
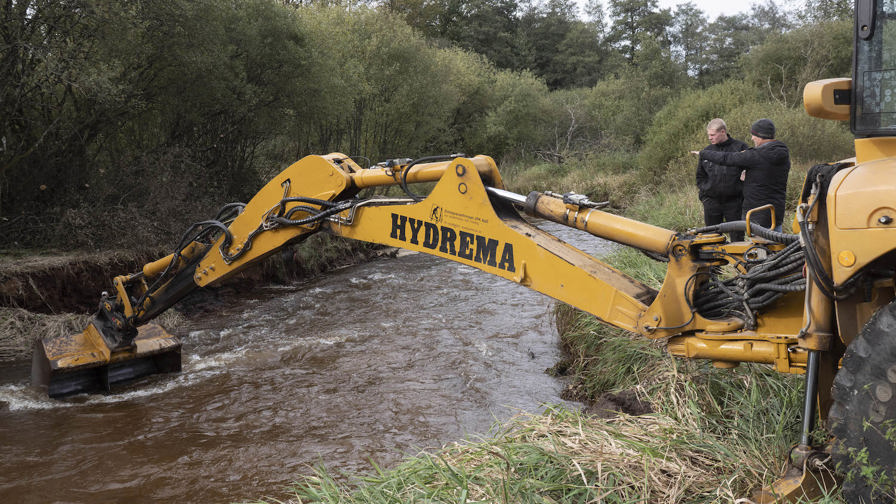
490, 28
688, 37
57, 97
559, 47
814, 11
543, 28
785, 63
727, 39
636, 20
134, 104
768, 19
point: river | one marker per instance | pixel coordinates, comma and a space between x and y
368, 363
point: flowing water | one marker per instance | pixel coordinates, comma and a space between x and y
370, 363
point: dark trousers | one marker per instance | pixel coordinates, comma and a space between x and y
717, 211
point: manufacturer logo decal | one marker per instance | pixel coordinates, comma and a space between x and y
448, 240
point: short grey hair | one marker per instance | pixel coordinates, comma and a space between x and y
717, 125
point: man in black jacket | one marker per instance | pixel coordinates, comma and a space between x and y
719, 185
766, 166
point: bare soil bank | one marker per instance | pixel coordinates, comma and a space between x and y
63, 283
46, 293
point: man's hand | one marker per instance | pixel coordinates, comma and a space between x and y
695, 152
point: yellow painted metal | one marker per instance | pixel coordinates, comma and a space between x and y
82, 349
155, 268
425, 172
120, 282
758, 210
872, 149
606, 225
151, 339
318, 177
780, 354
818, 99
87, 348
819, 316
861, 216
773, 341
82, 362
784, 319
457, 221
846, 258
804, 486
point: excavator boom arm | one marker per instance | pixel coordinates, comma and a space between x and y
467, 217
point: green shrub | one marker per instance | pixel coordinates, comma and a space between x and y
681, 125
810, 140
783, 65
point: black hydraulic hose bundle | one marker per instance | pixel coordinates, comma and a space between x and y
764, 281
209, 231
201, 231
755, 229
782, 272
817, 270
315, 215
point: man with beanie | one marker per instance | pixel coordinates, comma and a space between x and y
766, 166
719, 185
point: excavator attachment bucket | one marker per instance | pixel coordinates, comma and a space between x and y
83, 363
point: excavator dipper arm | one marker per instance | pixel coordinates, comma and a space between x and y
467, 217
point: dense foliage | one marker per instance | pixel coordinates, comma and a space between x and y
127, 120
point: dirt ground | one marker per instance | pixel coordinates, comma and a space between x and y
63, 283
610, 404
44, 294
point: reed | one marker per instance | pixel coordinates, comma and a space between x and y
715, 435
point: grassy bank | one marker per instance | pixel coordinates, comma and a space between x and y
713, 436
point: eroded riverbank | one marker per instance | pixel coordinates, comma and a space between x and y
365, 364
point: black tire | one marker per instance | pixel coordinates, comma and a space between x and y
863, 415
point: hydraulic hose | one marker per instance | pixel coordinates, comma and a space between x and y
764, 281
426, 159
755, 229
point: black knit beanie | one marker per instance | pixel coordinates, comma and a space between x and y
763, 128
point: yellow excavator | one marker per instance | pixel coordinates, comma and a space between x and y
818, 302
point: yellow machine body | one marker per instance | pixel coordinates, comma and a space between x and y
83, 362
461, 221
469, 218
814, 303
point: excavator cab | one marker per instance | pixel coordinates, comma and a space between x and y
874, 86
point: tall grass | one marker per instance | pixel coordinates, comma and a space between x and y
714, 437
714, 434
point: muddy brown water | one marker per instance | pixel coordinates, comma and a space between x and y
370, 363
